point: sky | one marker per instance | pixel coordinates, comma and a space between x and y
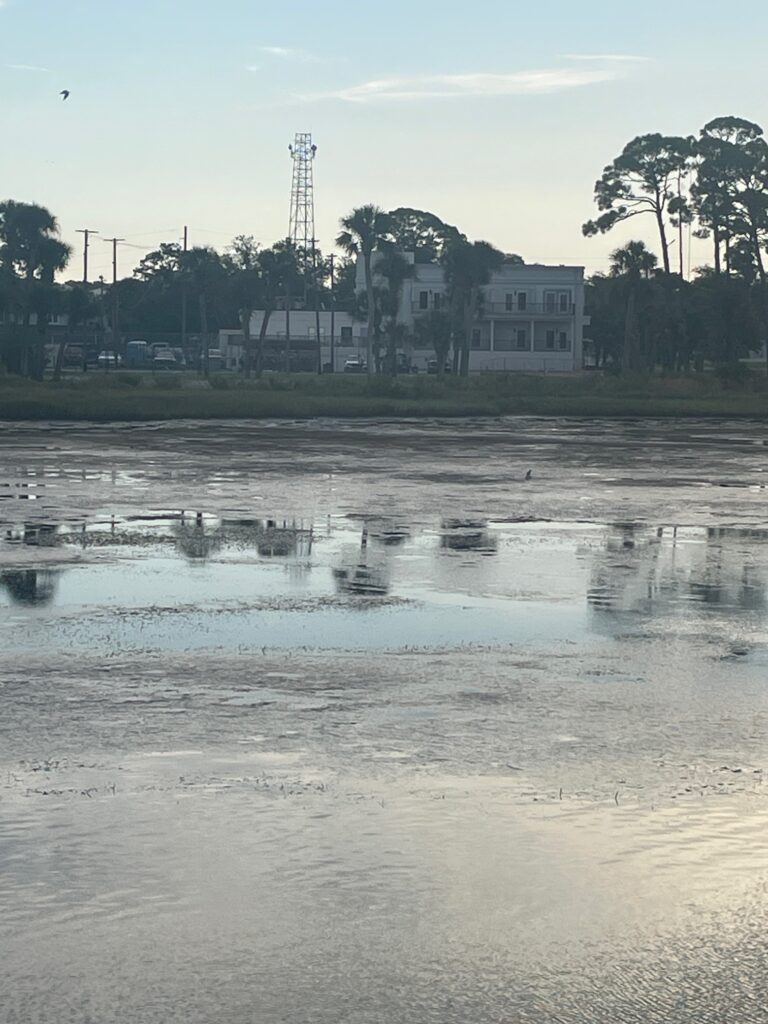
498, 116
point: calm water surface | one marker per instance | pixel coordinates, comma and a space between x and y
348, 722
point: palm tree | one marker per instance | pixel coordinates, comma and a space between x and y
434, 330
634, 259
366, 229
31, 254
394, 269
630, 266
468, 267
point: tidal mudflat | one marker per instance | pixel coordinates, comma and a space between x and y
326, 722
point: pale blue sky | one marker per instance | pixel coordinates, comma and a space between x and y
497, 115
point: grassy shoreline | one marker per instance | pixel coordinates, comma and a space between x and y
131, 397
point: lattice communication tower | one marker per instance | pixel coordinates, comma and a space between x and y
301, 228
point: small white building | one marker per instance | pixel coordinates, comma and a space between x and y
297, 334
532, 318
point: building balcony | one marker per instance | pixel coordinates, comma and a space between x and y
530, 309
501, 309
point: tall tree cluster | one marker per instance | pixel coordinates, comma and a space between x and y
31, 254
715, 184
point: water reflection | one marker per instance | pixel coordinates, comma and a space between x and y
29, 587
627, 568
467, 535
195, 535
658, 571
194, 541
361, 576
33, 534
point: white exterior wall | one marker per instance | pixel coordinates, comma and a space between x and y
537, 282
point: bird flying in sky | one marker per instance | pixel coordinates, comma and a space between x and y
64, 94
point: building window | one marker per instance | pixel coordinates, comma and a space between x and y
423, 300
521, 337
565, 302
522, 300
563, 340
550, 342
475, 337
346, 334
510, 302
549, 302
437, 300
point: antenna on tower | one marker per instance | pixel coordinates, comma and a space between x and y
301, 226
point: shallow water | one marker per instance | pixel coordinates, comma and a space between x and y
324, 722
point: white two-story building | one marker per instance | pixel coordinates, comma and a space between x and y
531, 318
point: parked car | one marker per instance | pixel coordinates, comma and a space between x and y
164, 359
432, 366
355, 364
107, 360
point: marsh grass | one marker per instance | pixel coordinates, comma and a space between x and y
130, 396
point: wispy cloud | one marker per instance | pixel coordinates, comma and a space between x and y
286, 53
26, 67
427, 87
618, 58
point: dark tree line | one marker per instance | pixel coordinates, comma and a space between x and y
195, 293
644, 313
716, 185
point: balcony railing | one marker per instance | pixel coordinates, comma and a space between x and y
502, 309
530, 309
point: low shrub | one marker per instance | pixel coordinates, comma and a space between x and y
168, 381
732, 375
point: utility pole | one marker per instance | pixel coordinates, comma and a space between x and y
86, 233
114, 242
184, 299
115, 301
333, 313
317, 308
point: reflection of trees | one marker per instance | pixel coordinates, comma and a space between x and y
194, 541
29, 586
467, 535
659, 572
198, 539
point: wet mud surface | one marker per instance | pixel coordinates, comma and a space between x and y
350, 722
